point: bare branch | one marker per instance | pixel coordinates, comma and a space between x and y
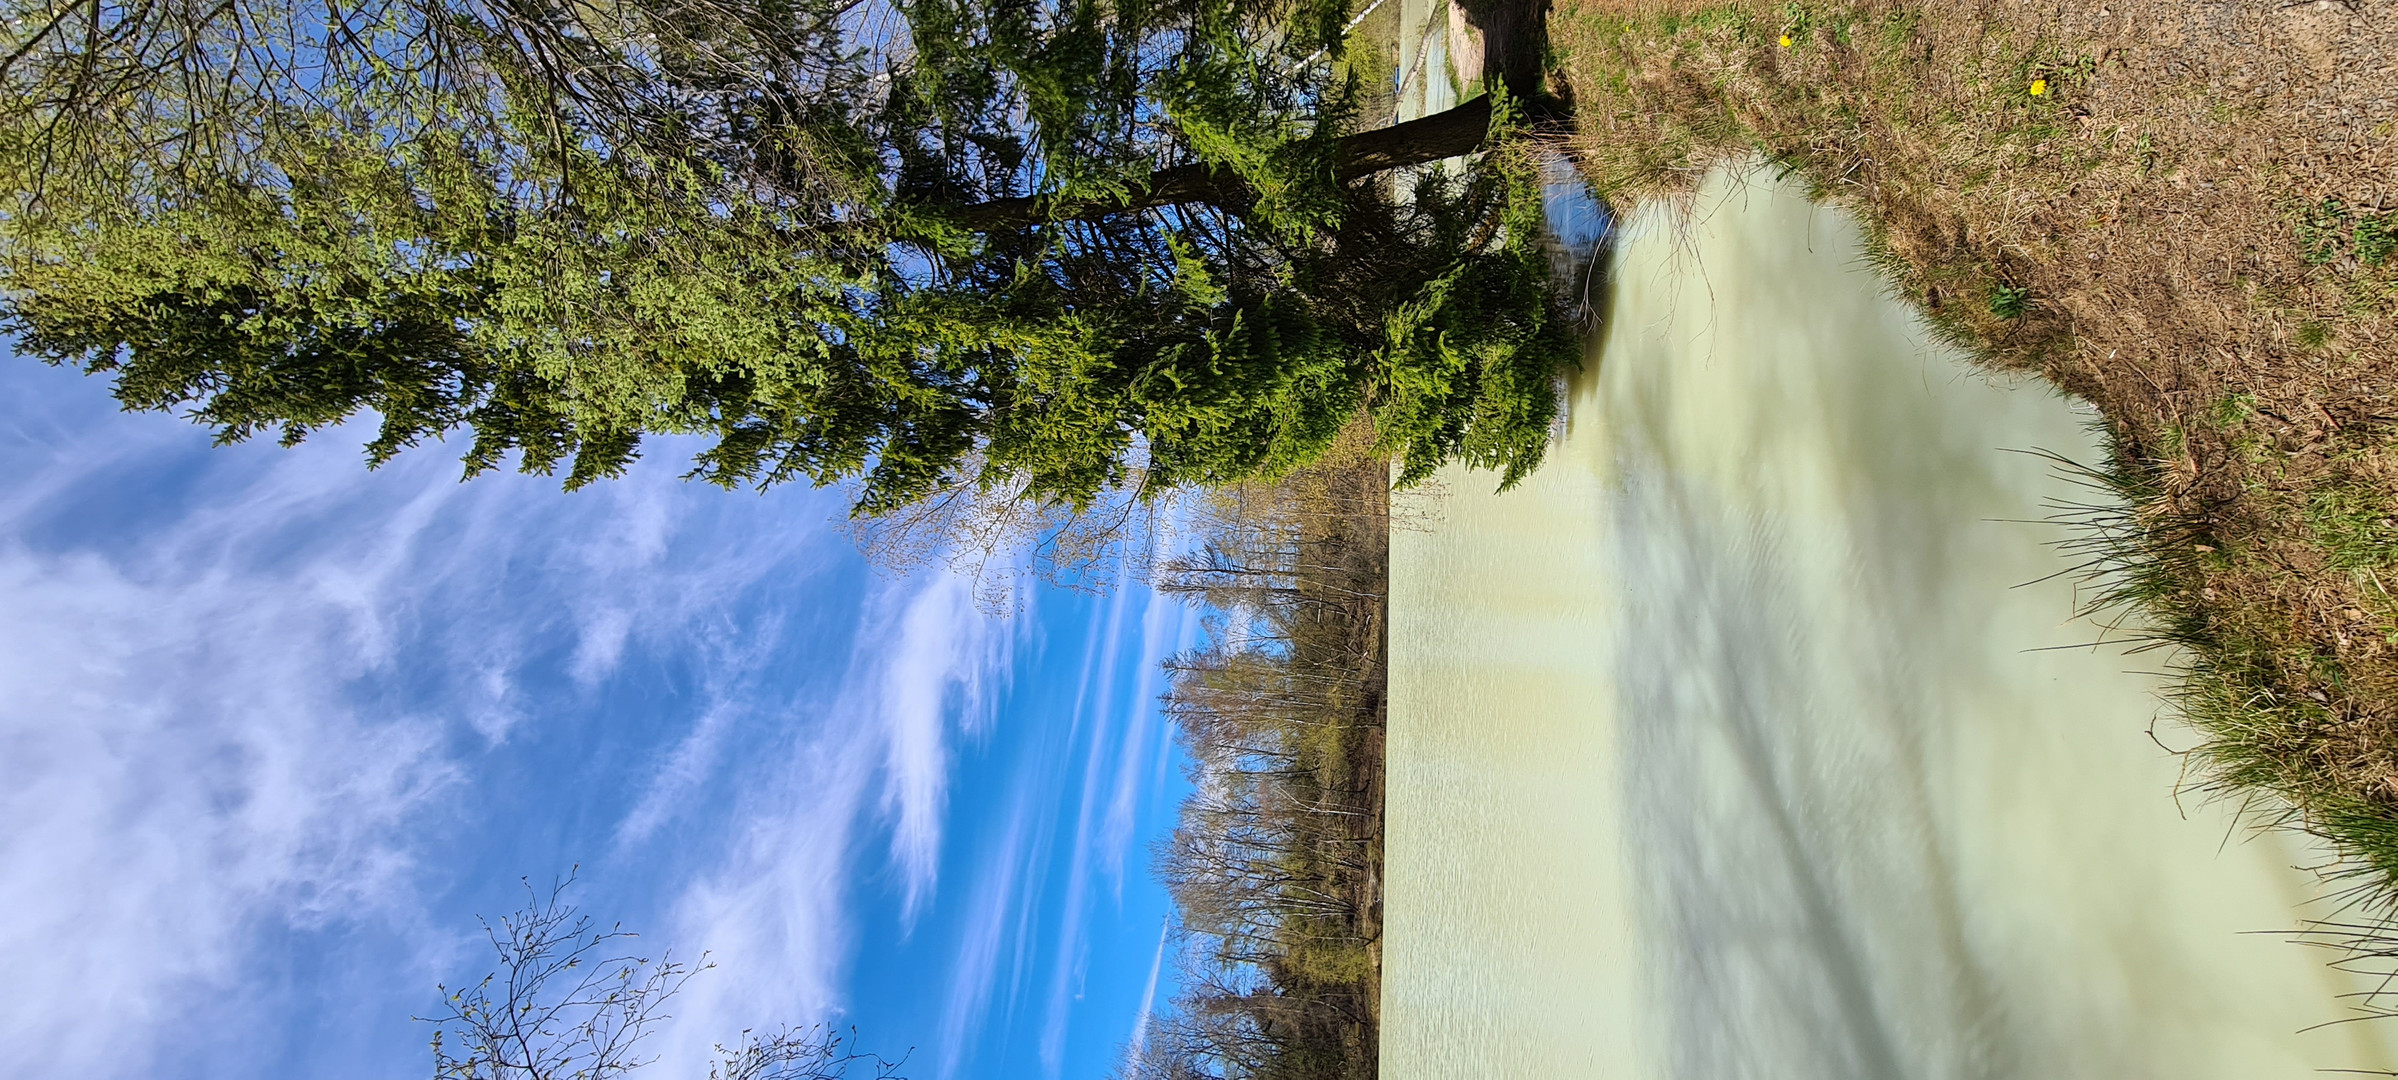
570, 1000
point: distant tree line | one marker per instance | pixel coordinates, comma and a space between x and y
1276, 864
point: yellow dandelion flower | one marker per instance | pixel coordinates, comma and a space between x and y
1785, 41
2039, 87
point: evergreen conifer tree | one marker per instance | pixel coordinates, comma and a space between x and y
913, 243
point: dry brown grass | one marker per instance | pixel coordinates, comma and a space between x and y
2186, 227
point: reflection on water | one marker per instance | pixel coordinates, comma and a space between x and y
1733, 744
1579, 230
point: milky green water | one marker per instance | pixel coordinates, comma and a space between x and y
1726, 746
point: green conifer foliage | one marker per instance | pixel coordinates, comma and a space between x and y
913, 243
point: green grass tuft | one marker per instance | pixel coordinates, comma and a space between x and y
2231, 410
2355, 527
2261, 744
2376, 238
2323, 231
2008, 301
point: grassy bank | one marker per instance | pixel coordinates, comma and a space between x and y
2185, 213
1275, 866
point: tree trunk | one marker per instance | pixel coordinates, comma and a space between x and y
1460, 130
1514, 35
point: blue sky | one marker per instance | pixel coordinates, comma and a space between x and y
276, 729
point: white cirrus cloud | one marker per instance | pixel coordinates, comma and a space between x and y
182, 759
239, 688
927, 666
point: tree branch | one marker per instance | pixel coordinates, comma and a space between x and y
1460, 130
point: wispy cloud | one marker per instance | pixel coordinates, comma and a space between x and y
235, 684
1167, 627
771, 915
1066, 960
941, 652
694, 761
182, 758
998, 893
1140, 1016
927, 664
254, 690
1114, 778
871, 768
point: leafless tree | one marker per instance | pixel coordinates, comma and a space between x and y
570, 1000
1274, 866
